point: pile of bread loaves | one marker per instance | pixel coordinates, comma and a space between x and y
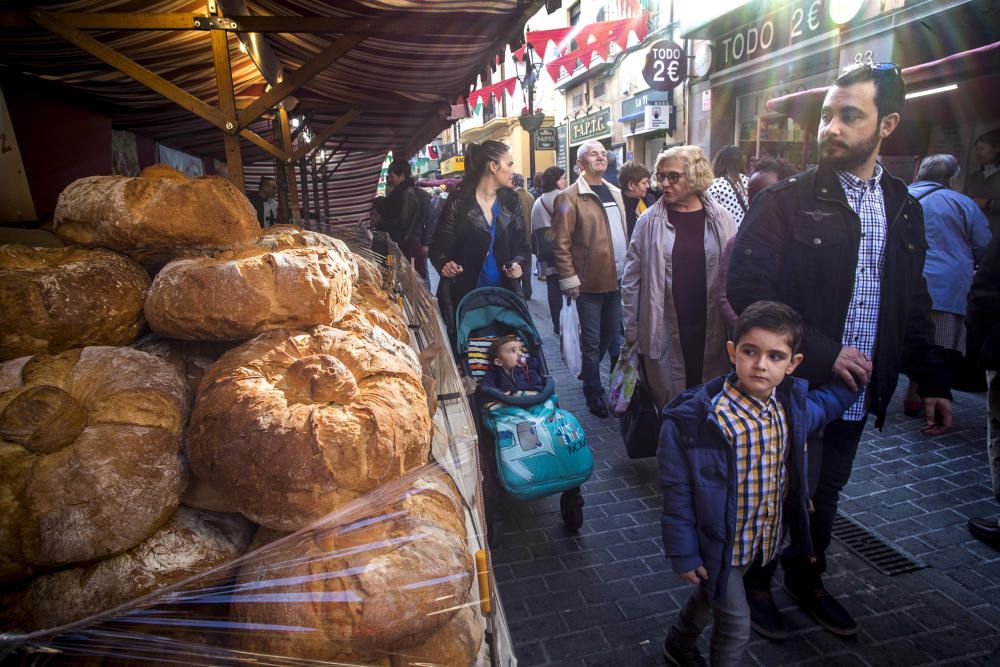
176, 381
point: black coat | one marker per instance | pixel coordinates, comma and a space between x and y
983, 319
798, 244
462, 236
630, 204
404, 215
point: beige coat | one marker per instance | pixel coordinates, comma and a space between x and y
647, 300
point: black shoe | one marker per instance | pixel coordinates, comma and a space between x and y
597, 407
825, 609
985, 530
764, 615
678, 655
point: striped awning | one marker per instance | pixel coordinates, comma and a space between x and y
413, 59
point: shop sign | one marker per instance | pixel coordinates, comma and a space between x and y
706, 100
638, 102
561, 148
666, 65
591, 126
789, 25
453, 165
545, 139
658, 117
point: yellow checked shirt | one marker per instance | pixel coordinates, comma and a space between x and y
759, 435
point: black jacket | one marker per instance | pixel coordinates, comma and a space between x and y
630, 204
983, 319
799, 244
462, 236
406, 214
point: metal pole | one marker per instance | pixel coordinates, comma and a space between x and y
531, 133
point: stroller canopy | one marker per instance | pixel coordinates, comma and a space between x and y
493, 311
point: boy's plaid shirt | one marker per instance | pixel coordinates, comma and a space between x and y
759, 435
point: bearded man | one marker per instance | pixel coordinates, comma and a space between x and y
843, 244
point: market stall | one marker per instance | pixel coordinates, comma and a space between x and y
219, 443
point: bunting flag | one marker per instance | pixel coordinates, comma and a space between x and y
486, 93
595, 38
519, 54
539, 39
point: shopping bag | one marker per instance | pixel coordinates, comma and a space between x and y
640, 425
569, 329
624, 376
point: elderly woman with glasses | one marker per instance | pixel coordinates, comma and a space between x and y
673, 260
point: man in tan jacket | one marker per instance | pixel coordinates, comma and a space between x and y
589, 251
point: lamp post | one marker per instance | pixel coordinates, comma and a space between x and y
527, 73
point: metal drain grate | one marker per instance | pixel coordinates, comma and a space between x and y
883, 557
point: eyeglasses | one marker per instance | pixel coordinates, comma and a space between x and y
672, 176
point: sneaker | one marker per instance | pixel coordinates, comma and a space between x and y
679, 655
823, 607
764, 615
597, 407
986, 531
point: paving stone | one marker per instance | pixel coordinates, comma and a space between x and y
575, 645
899, 653
648, 605
633, 656
946, 643
544, 602
630, 569
538, 627
896, 512
780, 653
596, 615
894, 625
572, 580
536, 567
635, 549
511, 591
609, 592
531, 654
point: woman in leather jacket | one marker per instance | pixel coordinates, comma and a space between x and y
480, 240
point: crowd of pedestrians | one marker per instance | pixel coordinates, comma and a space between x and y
772, 313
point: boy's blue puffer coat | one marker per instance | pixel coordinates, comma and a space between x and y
698, 472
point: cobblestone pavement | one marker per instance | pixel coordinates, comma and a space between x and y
606, 595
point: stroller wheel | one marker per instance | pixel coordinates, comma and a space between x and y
571, 508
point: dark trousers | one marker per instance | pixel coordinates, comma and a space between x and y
831, 458
415, 253
555, 299
600, 324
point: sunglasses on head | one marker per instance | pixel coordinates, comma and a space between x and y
672, 176
885, 68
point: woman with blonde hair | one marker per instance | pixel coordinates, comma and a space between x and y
673, 260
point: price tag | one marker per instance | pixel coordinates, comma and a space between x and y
666, 65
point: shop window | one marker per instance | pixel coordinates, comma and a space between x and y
578, 100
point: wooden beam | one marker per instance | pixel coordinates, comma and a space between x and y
263, 143
334, 151
298, 78
227, 104
286, 143
315, 188
418, 24
304, 177
125, 21
327, 132
134, 70
333, 171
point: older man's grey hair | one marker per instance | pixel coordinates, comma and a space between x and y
940, 168
582, 150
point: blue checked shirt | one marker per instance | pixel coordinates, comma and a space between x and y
861, 326
759, 436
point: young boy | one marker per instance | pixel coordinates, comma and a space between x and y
731, 451
510, 372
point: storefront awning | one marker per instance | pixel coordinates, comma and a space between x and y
975, 66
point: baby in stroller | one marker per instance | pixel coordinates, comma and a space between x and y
511, 371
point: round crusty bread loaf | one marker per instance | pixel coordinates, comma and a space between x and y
191, 358
157, 216
292, 424
54, 299
190, 542
277, 237
239, 294
455, 644
373, 585
91, 459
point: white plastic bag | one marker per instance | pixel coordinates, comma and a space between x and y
569, 329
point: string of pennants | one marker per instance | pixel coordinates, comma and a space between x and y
594, 38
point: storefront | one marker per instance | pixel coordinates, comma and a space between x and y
649, 121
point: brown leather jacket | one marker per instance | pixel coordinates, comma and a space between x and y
582, 249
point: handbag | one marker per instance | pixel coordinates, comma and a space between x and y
624, 378
640, 425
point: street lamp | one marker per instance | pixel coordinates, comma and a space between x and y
527, 73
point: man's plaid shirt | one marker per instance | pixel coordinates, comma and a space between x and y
759, 436
861, 325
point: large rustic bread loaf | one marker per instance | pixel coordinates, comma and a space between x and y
157, 216
374, 586
91, 459
278, 237
54, 299
239, 294
191, 358
456, 644
292, 424
190, 542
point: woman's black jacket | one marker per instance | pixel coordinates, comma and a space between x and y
463, 237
